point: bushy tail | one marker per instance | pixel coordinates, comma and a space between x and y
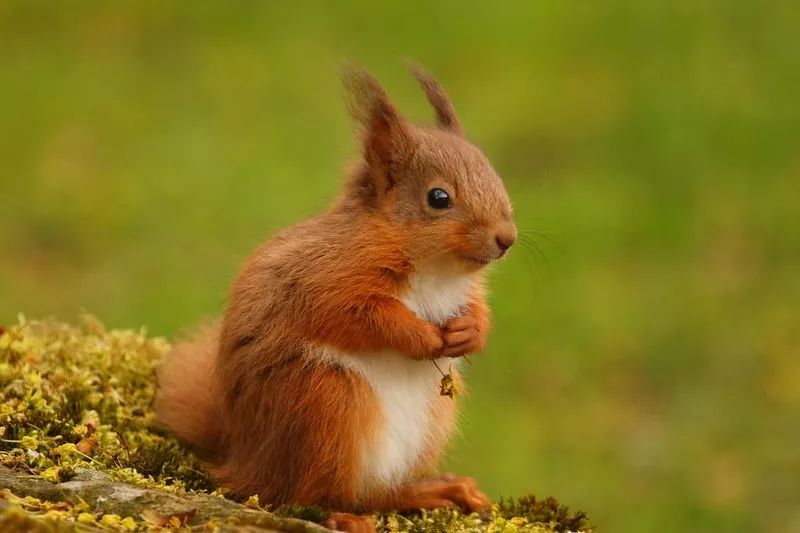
187, 401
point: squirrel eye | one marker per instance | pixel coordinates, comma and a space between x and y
439, 199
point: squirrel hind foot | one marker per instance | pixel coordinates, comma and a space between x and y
350, 523
446, 491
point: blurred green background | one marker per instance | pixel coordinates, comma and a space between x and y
645, 367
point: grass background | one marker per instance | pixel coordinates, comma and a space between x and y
646, 370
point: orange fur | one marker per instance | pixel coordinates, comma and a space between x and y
261, 398
301, 442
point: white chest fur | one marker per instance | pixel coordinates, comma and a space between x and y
405, 387
438, 298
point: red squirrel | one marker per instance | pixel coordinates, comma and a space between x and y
318, 386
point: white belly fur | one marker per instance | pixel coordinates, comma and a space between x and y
405, 387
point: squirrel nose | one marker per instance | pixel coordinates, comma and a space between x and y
505, 238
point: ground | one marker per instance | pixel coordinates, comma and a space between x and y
78, 450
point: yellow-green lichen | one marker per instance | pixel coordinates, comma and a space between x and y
62, 387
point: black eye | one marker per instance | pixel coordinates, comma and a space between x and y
439, 199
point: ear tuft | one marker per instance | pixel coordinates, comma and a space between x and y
446, 117
385, 137
363, 93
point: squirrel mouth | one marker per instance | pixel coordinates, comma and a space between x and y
478, 260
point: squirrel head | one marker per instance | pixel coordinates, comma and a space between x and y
429, 181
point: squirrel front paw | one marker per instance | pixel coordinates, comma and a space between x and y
426, 343
432, 341
462, 335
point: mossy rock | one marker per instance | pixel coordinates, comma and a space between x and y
78, 450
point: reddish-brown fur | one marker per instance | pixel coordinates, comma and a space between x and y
257, 397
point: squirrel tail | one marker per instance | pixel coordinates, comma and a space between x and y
187, 401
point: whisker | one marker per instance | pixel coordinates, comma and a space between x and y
548, 236
537, 231
528, 257
541, 254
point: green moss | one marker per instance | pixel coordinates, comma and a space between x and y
81, 396
312, 514
547, 511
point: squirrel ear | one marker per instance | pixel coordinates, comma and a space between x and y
385, 134
445, 113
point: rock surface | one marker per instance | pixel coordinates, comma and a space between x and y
105, 496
